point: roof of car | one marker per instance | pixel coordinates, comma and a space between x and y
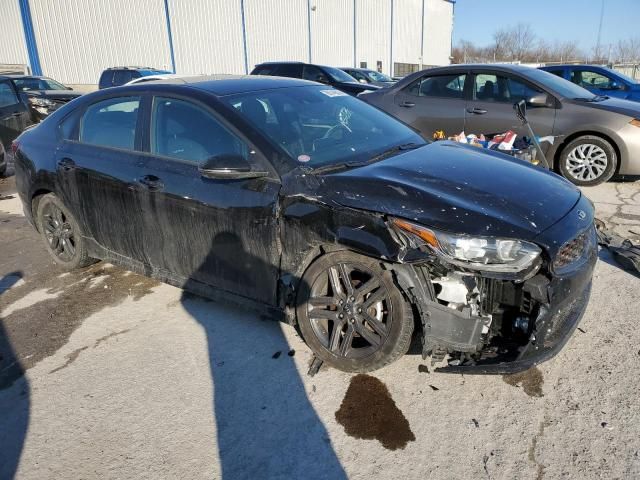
136, 68
19, 75
231, 84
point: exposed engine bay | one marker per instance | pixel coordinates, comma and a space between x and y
469, 318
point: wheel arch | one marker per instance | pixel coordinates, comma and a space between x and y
36, 197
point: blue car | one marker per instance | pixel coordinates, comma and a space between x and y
599, 80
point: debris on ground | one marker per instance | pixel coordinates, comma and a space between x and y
314, 366
277, 354
625, 253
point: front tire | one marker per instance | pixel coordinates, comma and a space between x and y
351, 313
588, 161
61, 233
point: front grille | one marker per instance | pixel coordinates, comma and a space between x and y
574, 249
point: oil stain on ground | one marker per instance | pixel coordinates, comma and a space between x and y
531, 381
368, 412
39, 330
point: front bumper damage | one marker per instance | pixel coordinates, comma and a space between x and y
498, 326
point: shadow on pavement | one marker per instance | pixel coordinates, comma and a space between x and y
266, 425
14, 405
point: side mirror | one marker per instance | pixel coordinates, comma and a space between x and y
229, 166
615, 86
538, 100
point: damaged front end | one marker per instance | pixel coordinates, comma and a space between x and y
479, 319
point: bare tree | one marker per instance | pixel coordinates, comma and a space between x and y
628, 51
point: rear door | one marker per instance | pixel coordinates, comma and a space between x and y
98, 168
14, 114
220, 232
433, 102
490, 109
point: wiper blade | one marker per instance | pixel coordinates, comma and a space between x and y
393, 150
381, 156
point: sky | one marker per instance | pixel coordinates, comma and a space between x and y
573, 20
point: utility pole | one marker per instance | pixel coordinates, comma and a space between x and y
597, 52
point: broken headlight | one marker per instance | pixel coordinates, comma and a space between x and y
41, 102
488, 254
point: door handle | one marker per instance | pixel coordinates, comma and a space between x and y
407, 104
66, 164
151, 183
477, 111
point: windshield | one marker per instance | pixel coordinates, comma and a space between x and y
379, 77
320, 126
339, 75
562, 87
624, 77
27, 84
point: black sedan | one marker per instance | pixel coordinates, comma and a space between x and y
44, 94
301, 200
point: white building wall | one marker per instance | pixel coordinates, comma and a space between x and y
373, 33
276, 30
407, 30
332, 32
207, 36
13, 47
438, 24
77, 39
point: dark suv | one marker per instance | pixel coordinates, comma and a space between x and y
116, 76
316, 73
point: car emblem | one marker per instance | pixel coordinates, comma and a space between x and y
581, 214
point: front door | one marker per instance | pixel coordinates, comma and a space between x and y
432, 103
218, 232
98, 168
14, 114
490, 110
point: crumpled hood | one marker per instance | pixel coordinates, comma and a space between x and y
459, 189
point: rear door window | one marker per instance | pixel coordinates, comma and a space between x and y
111, 123
8, 96
445, 86
182, 130
121, 77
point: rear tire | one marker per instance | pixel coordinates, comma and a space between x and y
351, 313
588, 160
61, 233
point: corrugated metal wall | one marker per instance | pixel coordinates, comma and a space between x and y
13, 46
407, 29
438, 22
77, 39
332, 32
276, 30
373, 33
207, 36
